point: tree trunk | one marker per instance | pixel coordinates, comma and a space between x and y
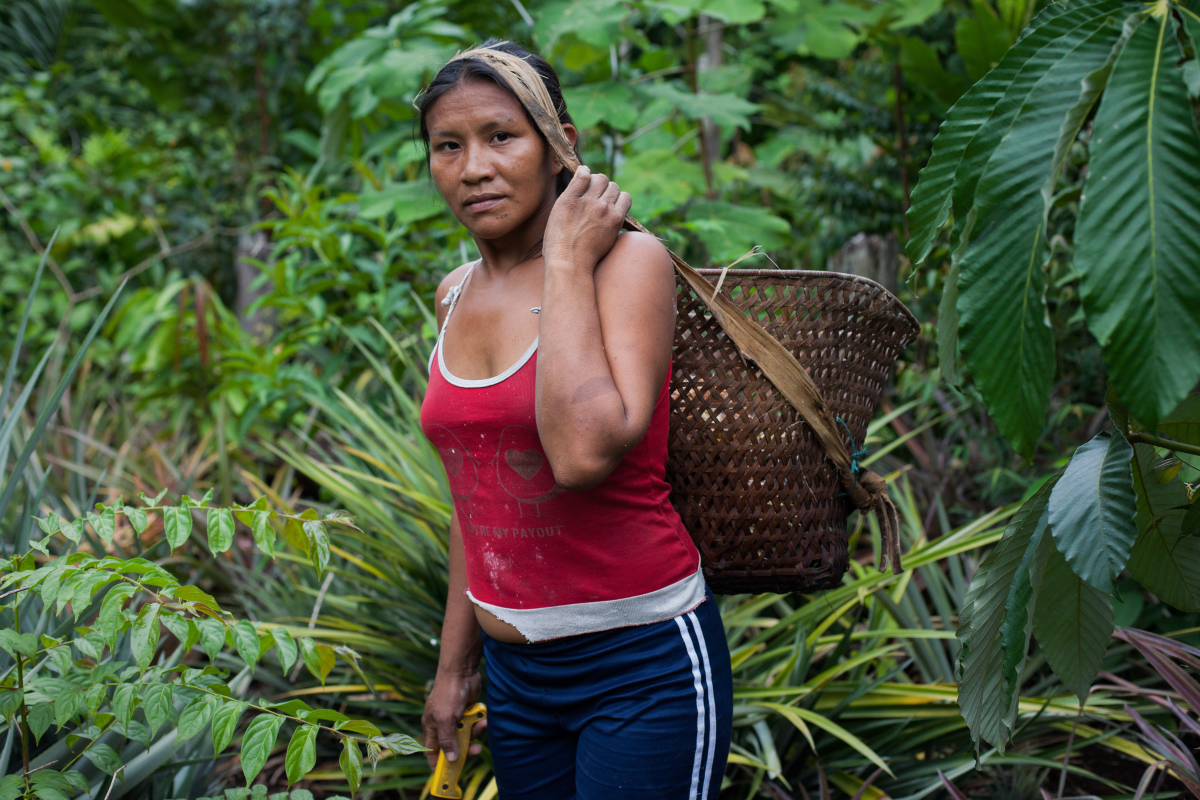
869, 256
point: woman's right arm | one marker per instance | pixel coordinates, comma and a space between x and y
456, 685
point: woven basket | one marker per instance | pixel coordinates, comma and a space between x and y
759, 496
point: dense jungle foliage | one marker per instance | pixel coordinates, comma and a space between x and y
220, 246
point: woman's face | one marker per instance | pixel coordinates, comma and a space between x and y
488, 160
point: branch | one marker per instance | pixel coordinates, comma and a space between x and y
1158, 441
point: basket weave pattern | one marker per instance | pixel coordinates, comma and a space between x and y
748, 475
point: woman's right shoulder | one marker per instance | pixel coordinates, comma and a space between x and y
452, 279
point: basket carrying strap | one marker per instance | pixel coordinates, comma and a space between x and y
867, 490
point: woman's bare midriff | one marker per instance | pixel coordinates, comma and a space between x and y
497, 628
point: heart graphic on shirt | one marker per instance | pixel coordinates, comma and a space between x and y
453, 459
524, 463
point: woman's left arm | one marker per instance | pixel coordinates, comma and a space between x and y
606, 327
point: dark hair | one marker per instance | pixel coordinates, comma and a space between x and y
459, 72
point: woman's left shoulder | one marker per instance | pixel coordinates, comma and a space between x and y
635, 256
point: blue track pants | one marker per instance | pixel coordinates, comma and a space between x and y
638, 712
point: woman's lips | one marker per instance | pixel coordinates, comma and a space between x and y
483, 204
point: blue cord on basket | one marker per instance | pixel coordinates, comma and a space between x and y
856, 454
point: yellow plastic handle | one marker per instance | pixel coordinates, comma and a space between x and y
445, 774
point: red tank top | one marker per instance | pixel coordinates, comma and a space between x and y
548, 561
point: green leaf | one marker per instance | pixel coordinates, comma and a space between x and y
1163, 560
727, 110
318, 536
301, 754
351, 763
597, 22
195, 715
105, 524
358, 726
824, 30
285, 648
981, 39
157, 704
1073, 623
81, 598
1004, 333
50, 524
66, 707
1093, 511
608, 102
264, 533
144, 636
190, 594
124, 702
728, 231
40, 717
1138, 236
224, 724
24, 643
791, 713
245, 641
212, 637
72, 530
110, 621
1183, 423
95, 697
257, 744
103, 758
932, 196
947, 325
921, 67
11, 787
986, 690
294, 534
318, 658
220, 529
177, 521
137, 519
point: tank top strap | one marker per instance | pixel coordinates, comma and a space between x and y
450, 300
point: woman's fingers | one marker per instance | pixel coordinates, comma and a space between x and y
430, 740
611, 192
446, 723
579, 184
624, 203
600, 184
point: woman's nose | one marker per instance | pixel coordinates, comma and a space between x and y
478, 164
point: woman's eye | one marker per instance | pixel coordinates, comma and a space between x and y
501, 137
447, 146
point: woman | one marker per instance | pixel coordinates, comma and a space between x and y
608, 670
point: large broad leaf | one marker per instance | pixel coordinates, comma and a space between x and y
729, 231
659, 180
597, 22
607, 102
1093, 511
410, 201
1138, 238
1003, 332
931, 198
1073, 623
996, 621
1163, 560
1183, 423
819, 29
981, 39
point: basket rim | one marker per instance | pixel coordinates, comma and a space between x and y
905, 313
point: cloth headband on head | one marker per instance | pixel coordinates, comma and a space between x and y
527, 85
